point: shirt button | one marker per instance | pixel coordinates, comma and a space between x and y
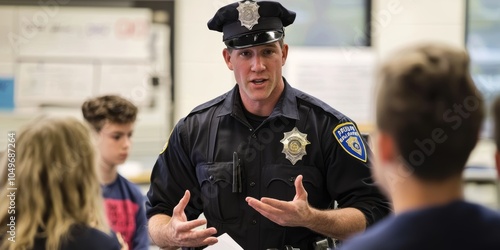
252, 184
250, 130
254, 222
292, 179
211, 178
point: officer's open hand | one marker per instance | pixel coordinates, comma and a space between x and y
184, 233
285, 213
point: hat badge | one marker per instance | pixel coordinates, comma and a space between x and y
248, 13
294, 145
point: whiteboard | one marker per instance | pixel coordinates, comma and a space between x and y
60, 56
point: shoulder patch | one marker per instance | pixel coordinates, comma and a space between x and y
350, 140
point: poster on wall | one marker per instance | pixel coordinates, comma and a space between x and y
64, 55
53, 84
132, 81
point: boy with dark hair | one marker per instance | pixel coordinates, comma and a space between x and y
113, 118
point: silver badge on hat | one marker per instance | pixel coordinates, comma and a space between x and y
294, 145
248, 13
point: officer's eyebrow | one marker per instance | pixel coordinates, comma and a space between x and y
271, 45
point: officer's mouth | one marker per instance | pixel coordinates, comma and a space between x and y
258, 81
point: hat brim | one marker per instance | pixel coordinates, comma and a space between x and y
255, 39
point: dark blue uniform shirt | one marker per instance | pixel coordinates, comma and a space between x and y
199, 157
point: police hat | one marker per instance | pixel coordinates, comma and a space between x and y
248, 23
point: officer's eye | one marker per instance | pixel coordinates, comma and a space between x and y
268, 52
245, 53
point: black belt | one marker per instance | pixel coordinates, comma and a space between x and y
322, 244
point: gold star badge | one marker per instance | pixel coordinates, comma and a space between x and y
248, 14
294, 145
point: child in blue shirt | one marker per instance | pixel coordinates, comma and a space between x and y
113, 118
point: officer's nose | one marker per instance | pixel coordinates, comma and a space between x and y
258, 64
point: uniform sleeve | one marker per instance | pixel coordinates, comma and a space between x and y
172, 175
141, 238
349, 176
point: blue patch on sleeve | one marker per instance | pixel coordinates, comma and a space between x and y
350, 140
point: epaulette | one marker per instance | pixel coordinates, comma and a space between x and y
318, 103
208, 104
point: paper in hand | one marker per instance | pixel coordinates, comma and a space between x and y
225, 243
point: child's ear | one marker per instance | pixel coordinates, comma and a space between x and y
386, 147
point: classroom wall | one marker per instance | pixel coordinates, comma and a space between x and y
402, 22
200, 71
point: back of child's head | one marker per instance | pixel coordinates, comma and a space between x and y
429, 104
57, 180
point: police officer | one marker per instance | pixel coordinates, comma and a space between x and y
264, 162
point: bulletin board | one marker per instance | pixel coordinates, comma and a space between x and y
53, 58
63, 56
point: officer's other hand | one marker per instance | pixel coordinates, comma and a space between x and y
184, 233
285, 213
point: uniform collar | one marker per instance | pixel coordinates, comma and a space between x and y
286, 105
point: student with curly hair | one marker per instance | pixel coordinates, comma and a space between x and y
113, 118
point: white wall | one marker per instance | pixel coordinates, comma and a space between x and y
200, 73
396, 23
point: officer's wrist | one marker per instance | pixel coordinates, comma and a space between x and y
312, 219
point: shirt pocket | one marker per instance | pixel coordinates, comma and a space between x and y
220, 204
279, 181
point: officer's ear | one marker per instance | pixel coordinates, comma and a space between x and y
227, 58
284, 54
